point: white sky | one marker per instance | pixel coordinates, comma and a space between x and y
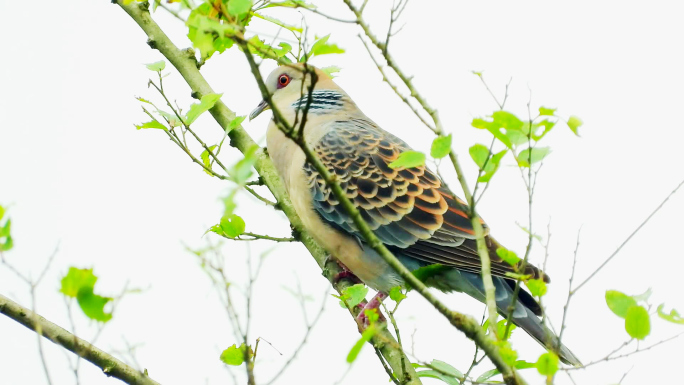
77, 174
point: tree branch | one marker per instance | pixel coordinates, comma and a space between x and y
110, 365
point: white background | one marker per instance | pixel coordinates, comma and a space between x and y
76, 174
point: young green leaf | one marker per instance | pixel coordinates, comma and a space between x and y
441, 147
153, 124
2, 212
156, 66
543, 111
537, 287
480, 154
355, 294
75, 280
321, 47
574, 123
356, 349
548, 126
235, 356
492, 166
232, 225
501, 329
396, 294
409, 159
439, 376
447, 369
637, 322
279, 23
619, 302
508, 256
93, 304
673, 317
520, 364
547, 364
331, 71
235, 123
239, 7
242, 170
494, 128
507, 352
197, 109
529, 157
205, 158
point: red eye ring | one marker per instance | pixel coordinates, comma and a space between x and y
283, 80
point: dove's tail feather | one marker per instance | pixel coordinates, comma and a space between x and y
525, 313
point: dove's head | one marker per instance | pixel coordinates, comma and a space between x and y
289, 83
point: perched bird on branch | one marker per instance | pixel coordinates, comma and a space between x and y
409, 209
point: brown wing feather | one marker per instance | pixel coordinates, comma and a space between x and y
408, 209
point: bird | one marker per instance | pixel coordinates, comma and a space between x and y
411, 210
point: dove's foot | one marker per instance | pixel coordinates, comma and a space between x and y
373, 304
345, 273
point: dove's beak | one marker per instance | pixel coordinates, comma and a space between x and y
263, 106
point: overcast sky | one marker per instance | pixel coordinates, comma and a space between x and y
78, 176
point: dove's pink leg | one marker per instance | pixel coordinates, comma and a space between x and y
374, 303
345, 273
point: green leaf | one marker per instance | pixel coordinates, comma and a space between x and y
279, 23
619, 302
242, 170
93, 304
520, 364
543, 111
356, 349
508, 256
354, 294
548, 126
235, 123
445, 368
321, 47
235, 356
547, 364
574, 123
409, 159
80, 284
439, 376
501, 329
156, 66
528, 156
507, 352
153, 124
494, 128
2, 212
492, 166
441, 147
480, 154
207, 33
232, 225
265, 51
205, 158
637, 322
537, 287
239, 7
75, 280
331, 70
198, 109
673, 317
396, 294
507, 120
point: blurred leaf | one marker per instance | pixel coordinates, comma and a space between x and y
80, 284
279, 23
516, 138
643, 296
76, 279
321, 47
494, 128
439, 376
396, 294
446, 368
537, 287
205, 159
153, 124
543, 111
232, 225
93, 304
501, 329
637, 322
548, 126
547, 364
507, 120
356, 349
574, 123
290, 4
2, 212
265, 51
479, 153
235, 123
156, 66
441, 146
528, 157
507, 352
492, 166
673, 317
619, 302
354, 294
409, 159
197, 109
520, 364
331, 70
235, 356
239, 7
207, 33
373, 315
508, 256
242, 170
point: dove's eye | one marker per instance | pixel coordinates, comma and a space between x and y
283, 80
